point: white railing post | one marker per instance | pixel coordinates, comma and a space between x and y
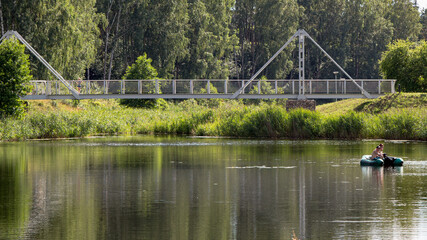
327, 86
345, 87
393, 83
48, 88
173, 86
293, 86
225, 86
139, 87
361, 84
209, 87
275, 86
191, 87
157, 86
379, 86
259, 86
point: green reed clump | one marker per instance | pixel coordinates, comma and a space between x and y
349, 125
265, 122
302, 123
400, 125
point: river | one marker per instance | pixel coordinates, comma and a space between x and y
157, 187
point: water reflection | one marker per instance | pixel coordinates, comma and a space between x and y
178, 188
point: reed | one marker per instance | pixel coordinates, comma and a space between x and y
230, 118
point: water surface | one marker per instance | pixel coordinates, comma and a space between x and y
149, 187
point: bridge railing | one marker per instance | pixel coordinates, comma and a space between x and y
214, 86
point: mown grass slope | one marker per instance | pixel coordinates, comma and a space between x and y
388, 103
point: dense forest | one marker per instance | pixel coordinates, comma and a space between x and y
99, 39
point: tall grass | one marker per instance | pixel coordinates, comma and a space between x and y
228, 119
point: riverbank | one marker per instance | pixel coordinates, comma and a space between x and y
398, 116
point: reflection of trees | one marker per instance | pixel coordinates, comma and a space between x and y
187, 192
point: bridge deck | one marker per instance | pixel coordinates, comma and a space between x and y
184, 89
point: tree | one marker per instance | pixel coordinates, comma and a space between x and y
423, 21
211, 40
142, 70
263, 27
405, 18
14, 74
64, 32
135, 27
406, 62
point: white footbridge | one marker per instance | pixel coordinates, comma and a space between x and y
252, 88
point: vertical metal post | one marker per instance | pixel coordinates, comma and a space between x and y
191, 87
379, 86
301, 63
121, 87
327, 86
259, 86
208, 87
139, 87
345, 86
173, 86
311, 82
48, 88
225, 86
293, 86
88, 87
275, 86
105, 87
393, 82
361, 86
157, 86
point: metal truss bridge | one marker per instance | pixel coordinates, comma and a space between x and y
252, 88
184, 89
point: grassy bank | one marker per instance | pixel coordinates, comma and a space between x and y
401, 116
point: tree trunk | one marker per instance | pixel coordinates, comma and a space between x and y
107, 34
1, 19
115, 44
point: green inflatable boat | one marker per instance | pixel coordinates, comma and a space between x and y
391, 161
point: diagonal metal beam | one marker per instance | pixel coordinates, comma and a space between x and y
9, 34
364, 92
240, 91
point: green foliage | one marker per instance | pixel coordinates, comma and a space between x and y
142, 70
14, 74
64, 32
203, 39
349, 125
229, 119
406, 62
213, 102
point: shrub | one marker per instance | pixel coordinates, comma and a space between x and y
14, 74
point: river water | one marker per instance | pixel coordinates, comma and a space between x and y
149, 187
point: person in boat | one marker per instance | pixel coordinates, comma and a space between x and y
378, 152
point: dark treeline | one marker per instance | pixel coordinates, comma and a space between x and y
99, 39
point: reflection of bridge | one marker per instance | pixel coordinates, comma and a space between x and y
229, 89
183, 89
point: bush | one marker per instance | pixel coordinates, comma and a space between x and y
142, 69
14, 74
406, 62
